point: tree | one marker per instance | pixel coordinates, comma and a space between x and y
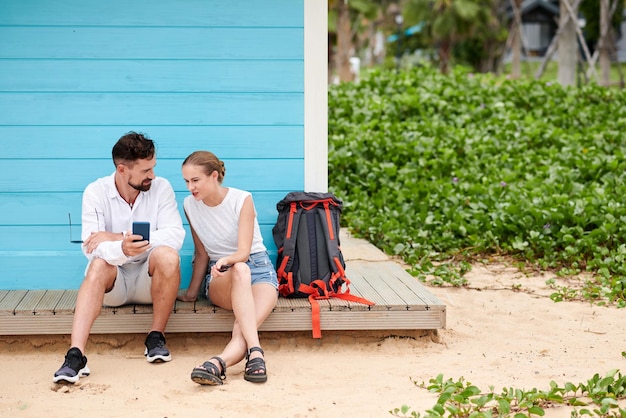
472, 24
568, 39
517, 41
353, 24
591, 10
567, 45
603, 42
484, 46
603, 19
344, 41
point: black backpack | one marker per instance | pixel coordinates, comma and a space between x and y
310, 263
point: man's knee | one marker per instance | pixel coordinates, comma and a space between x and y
164, 260
102, 272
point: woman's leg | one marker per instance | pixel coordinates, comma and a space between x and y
237, 295
265, 296
251, 306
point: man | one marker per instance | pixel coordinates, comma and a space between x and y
124, 268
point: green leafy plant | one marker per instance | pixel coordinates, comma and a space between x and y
445, 170
598, 396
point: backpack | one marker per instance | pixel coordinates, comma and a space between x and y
310, 263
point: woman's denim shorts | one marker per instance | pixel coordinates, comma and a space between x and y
261, 267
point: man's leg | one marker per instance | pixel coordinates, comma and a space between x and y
164, 268
99, 279
165, 271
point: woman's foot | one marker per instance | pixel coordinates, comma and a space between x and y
209, 373
256, 371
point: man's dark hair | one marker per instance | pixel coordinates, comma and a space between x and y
132, 147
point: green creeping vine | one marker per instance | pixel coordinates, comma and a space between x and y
599, 397
447, 170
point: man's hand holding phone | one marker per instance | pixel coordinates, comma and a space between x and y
133, 245
138, 241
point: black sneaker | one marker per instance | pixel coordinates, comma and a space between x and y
74, 367
155, 348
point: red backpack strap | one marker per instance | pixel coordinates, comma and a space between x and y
346, 295
292, 210
329, 222
287, 251
317, 290
352, 298
315, 317
285, 284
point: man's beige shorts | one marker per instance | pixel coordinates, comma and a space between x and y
132, 285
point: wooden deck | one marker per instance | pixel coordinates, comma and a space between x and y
402, 303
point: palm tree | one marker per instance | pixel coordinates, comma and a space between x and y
449, 22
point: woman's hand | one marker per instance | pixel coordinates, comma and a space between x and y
187, 298
220, 267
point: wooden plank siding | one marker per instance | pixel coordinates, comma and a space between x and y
75, 75
149, 12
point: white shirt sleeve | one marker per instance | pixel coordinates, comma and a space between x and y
96, 211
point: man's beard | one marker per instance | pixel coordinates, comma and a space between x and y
141, 187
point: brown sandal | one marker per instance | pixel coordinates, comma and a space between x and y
209, 373
256, 371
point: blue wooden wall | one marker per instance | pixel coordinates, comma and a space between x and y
75, 75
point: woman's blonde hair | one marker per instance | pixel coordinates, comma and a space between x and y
209, 163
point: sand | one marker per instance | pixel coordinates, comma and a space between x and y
502, 331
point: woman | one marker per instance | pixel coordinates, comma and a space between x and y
232, 262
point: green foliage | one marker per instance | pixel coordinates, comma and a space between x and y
598, 396
442, 169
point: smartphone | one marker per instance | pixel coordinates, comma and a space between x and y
143, 229
224, 268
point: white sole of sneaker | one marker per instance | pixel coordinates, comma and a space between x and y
69, 379
158, 358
